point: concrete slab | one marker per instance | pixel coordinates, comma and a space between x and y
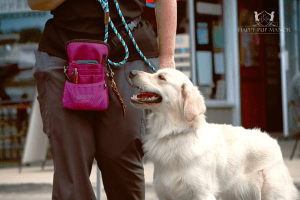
35, 183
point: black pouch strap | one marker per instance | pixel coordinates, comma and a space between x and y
114, 42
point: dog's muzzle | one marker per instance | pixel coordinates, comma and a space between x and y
132, 74
144, 96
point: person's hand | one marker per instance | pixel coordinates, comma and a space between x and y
167, 62
166, 18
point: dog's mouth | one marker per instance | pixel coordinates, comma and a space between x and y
146, 97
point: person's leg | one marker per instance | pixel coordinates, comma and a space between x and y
119, 149
70, 133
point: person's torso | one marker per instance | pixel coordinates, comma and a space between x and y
84, 19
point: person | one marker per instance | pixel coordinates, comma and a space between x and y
78, 137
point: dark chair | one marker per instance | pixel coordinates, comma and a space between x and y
296, 136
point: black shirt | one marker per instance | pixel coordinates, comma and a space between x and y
84, 19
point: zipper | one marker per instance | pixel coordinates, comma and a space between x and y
88, 41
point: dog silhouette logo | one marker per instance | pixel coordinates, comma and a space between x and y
264, 19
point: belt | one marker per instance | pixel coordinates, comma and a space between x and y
114, 42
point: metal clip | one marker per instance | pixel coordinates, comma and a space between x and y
132, 25
66, 73
109, 72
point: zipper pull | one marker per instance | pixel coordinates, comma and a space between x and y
73, 73
105, 65
66, 67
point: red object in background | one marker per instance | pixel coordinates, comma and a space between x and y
252, 77
152, 1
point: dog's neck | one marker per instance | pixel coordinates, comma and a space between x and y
164, 125
166, 138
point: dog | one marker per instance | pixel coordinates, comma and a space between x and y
196, 160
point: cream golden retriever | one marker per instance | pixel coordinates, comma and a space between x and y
196, 160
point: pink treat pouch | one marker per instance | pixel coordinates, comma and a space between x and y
86, 87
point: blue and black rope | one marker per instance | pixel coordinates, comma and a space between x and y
104, 4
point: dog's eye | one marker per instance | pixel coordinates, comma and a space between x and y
161, 77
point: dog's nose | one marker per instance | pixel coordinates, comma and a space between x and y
133, 73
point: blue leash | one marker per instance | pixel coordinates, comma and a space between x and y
107, 20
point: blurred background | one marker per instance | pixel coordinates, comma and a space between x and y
241, 54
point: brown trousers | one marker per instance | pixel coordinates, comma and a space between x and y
77, 137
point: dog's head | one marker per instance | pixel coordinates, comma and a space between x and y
167, 89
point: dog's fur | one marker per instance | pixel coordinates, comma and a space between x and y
196, 160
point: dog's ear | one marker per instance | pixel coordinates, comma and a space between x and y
193, 102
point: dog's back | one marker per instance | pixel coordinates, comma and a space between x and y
256, 163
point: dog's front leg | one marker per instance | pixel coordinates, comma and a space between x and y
211, 197
205, 197
163, 198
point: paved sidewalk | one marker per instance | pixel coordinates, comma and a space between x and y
35, 180
35, 174
33, 183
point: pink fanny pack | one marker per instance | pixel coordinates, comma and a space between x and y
86, 87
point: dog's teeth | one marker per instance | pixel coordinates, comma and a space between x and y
134, 97
153, 98
150, 98
144, 99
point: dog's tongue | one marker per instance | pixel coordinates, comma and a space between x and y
147, 95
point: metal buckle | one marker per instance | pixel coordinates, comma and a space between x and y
132, 25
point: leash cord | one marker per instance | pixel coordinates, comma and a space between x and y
107, 20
